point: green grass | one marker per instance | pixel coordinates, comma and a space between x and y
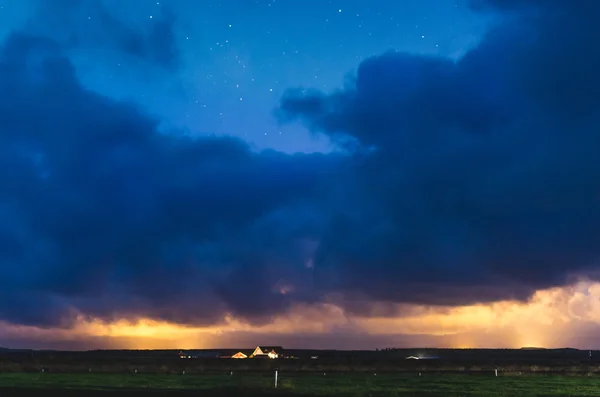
347, 385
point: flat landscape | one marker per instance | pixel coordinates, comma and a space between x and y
452, 373
350, 384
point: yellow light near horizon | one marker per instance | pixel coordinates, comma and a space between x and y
551, 318
144, 328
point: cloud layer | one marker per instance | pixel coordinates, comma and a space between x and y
558, 317
480, 181
106, 215
459, 183
91, 26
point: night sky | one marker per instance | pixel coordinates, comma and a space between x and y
344, 173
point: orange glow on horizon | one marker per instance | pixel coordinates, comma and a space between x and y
556, 317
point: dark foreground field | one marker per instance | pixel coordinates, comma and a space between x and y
347, 385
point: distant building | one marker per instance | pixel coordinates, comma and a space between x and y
239, 355
422, 358
198, 354
267, 352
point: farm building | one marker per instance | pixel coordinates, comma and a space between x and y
267, 352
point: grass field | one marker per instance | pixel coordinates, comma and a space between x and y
350, 384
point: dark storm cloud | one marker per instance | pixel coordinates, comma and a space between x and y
92, 25
481, 181
103, 214
467, 181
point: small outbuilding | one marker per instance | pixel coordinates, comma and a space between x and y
198, 354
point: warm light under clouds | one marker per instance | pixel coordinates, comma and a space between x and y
552, 318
